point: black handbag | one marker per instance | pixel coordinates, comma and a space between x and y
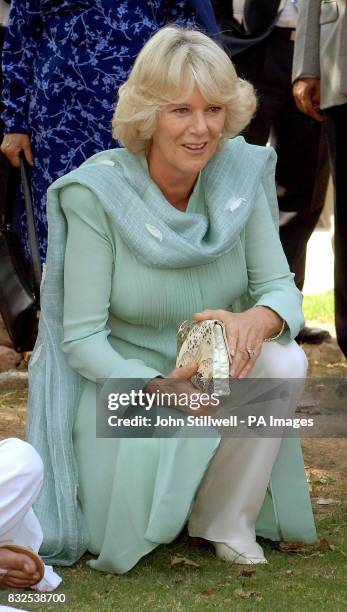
19, 279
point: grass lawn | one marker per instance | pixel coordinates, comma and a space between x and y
311, 579
178, 577
319, 307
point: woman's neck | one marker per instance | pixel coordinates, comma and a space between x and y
175, 187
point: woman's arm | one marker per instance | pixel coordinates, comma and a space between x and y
88, 270
271, 287
270, 281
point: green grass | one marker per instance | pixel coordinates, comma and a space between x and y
319, 307
308, 580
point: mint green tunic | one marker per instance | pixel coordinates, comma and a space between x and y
120, 320
135, 267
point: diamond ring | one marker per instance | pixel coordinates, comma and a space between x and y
250, 352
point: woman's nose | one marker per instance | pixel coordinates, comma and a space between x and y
198, 124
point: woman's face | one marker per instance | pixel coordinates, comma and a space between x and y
186, 136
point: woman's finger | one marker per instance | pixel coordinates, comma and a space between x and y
251, 347
185, 372
248, 349
250, 363
209, 314
239, 362
241, 356
224, 316
232, 338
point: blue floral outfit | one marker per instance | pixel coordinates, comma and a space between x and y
63, 63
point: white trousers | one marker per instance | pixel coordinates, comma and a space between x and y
233, 489
21, 477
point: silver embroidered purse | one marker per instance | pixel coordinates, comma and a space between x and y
205, 342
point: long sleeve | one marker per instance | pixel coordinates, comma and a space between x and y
270, 280
89, 266
306, 61
20, 49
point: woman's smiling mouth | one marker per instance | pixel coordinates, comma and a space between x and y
195, 147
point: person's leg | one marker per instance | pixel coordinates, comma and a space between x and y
336, 119
302, 176
232, 492
20, 482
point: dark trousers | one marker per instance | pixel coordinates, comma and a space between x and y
336, 120
302, 168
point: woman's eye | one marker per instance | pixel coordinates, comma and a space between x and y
215, 109
181, 110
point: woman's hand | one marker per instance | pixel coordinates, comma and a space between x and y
178, 383
245, 330
13, 144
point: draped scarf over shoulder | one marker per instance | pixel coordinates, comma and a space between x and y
174, 239
133, 201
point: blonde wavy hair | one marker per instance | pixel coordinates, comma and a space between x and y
168, 68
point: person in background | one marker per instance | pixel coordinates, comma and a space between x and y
21, 478
63, 63
320, 91
4, 164
262, 51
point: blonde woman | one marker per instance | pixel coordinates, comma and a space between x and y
179, 223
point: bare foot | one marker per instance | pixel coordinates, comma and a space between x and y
21, 572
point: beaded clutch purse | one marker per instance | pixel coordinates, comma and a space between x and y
205, 342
